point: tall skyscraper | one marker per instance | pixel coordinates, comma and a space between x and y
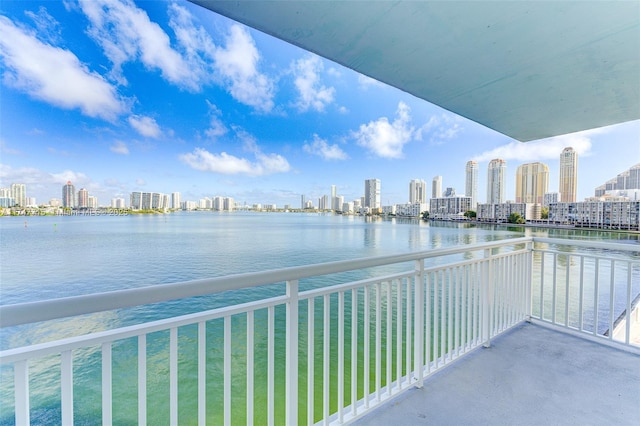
175, 200
568, 175
436, 187
372, 193
418, 191
69, 195
471, 183
496, 181
83, 198
532, 182
19, 194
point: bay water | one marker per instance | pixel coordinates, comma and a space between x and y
59, 256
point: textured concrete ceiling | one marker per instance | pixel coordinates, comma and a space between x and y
528, 69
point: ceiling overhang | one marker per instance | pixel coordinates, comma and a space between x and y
527, 69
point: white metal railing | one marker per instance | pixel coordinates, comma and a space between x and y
309, 353
590, 291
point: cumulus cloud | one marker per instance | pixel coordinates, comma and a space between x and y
441, 128
545, 149
237, 62
69, 175
146, 126
44, 72
203, 160
216, 126
126, 33
322, 149
366, 82
120, 147
312, 94
386, 139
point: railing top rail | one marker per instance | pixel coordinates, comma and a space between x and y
589, 244
25, 313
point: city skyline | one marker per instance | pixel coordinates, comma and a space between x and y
242, 115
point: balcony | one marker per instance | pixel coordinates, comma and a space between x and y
376, 340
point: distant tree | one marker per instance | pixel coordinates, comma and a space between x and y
470, 214
425, 215
544, 213
516, 218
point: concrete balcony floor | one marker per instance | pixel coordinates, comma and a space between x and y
531, 375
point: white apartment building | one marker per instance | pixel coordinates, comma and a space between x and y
497, 181
417, 191
471, 183
499, 213
372, 198
148, 200
436, 187
614, 214
411, 209
449, 207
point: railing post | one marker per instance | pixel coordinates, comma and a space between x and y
418, 332
528, 300
291, 407
487, 296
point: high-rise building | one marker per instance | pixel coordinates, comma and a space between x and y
175, 200
532, 182
372, 193
568, 186
471, 183
69, 195
436, 187
83, 198
303, 202
19, 194
496, 181
93, 202
417, 191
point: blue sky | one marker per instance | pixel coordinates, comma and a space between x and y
119, 96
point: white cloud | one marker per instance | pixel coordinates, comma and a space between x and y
126, 33
44, 72
343, 110
441, 128
77, 178
120, 147
312, 94
203, 160
237, 62
146, 126
545, 149
366, 82
321, 148
48, 27
216, 126
387, 139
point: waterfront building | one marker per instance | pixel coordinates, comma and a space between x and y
323, 203
93, 202
532, 182
55, 202
449, 207
229, 204
19, 194
118, 203
436, 187
634, 177
568, 185
389, 210
83, 199
69, 195
175, 200
471, 183
303, 202
308, 204
7, 202
188, 205
612, 214
148, 200
348, 207
372, 194
417, 191
500, 212
410, 209
496, 181
549, 198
